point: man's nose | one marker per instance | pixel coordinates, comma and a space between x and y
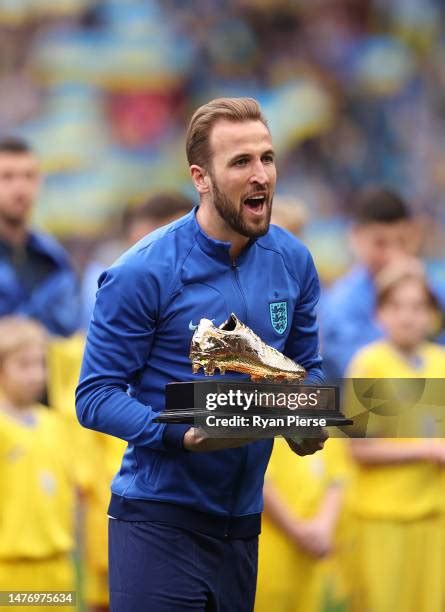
22, 186
259, 174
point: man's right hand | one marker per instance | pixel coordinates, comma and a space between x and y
196, 440
308, 446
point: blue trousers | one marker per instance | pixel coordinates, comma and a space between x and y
155, 567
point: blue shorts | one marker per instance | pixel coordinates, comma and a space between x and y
156, 567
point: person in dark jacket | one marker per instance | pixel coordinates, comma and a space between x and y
36, 276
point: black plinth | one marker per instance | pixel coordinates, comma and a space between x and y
194, 402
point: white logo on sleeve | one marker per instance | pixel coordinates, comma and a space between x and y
193, 327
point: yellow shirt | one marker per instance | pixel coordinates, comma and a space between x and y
381, 360
404, 491
302, 481
37, 485
64, 361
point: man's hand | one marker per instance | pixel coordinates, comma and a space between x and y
308, 446
196, 440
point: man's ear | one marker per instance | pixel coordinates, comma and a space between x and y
200, 178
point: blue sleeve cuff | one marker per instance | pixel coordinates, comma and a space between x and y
173, 437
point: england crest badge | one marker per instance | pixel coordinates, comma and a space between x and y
278, 316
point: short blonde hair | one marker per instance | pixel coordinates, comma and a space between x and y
397, 273
204, 118
18, 332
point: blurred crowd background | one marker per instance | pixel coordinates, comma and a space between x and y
353, 91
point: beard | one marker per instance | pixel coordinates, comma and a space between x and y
234, 217
13, 221
15, 213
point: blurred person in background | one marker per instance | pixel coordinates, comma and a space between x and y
39, 470
395, 498
383, 230
136, 222
298, 570
36, 277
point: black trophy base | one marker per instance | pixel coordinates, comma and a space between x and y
194, 402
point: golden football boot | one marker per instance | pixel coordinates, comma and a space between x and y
234, 346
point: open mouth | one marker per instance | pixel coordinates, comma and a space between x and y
255, 203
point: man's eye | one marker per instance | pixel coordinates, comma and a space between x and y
241, 162
268, 159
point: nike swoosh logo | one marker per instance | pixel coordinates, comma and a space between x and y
193, 327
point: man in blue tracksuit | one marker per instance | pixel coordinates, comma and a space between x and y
36, 276
185, 509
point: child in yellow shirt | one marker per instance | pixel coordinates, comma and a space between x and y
395, 496
37, 470
302, 502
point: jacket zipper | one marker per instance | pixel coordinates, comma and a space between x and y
234, 268
242, 471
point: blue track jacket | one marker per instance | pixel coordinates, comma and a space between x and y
56, 301
139, 340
